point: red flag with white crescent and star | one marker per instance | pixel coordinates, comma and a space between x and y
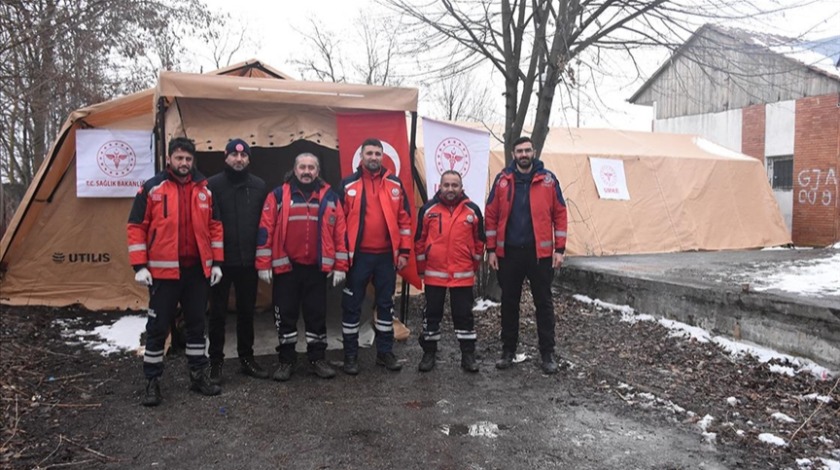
390, 128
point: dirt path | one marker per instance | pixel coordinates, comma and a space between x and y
64, 405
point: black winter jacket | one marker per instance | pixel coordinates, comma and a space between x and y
240, 197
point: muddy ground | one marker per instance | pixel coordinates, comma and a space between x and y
628, 397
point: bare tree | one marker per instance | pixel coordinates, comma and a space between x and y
458, 98
533, 43
60, 55
322, 59
226, 39
370, 53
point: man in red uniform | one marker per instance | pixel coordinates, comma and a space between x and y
379, 240
526, 237
300, 243
448, 245
175, 244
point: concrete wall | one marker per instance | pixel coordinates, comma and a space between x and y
721, 128
806, 330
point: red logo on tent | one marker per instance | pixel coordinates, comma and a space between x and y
452, 154
116, 158
609, 176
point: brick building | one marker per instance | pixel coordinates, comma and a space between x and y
771, 97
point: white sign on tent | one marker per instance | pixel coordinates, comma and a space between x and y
112, 163
465, 150
609, 178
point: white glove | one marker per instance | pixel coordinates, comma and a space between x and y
215, 275
337, 277
265, 275
143, 277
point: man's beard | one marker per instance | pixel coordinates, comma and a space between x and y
527, 163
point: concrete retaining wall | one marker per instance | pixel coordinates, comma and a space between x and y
809, 330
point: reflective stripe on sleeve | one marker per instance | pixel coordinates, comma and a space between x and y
162, 264
137, 247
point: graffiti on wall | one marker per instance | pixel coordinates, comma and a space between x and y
817, 187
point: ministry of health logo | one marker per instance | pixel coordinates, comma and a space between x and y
116, 158
452, 154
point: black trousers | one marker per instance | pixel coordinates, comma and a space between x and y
244, 281
164, 296
514, 267
461, 303
306, 287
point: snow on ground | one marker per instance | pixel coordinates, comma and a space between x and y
483, 304
123, 335
817, 277
736, 348
772, 439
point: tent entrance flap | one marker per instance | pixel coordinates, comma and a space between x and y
273, 164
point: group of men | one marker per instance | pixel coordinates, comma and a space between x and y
189, 236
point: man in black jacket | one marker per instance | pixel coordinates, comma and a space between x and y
240, 197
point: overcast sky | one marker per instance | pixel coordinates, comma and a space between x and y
274, 27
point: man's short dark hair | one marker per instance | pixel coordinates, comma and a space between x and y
522, 140
182, 143
450, 172
372, 142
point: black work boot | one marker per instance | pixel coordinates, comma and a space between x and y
200, 382
505, 361
548, 364
389, 361
250, 367
351, 365
284, 372
152, 396
216, 372
468, 362
323, 369
427, 363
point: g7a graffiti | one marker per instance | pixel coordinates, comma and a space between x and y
817, 186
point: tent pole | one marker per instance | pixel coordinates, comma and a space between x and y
412, 146
160, 134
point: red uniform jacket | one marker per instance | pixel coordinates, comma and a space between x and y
394, 204
332, 230
153, 226
449, 242
548, 211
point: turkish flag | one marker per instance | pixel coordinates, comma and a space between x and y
388, 127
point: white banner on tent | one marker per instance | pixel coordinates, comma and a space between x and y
609, 178
112, 163
450, 147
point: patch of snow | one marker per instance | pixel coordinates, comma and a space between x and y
783, 370
482, 304
830, 464
772, 439
815, 397
123, 335
521, 357
817, 277
804, 463
782, 417
825, 440
484, 429
705, 422
740, 432
710, 437
679, 329
732, 401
